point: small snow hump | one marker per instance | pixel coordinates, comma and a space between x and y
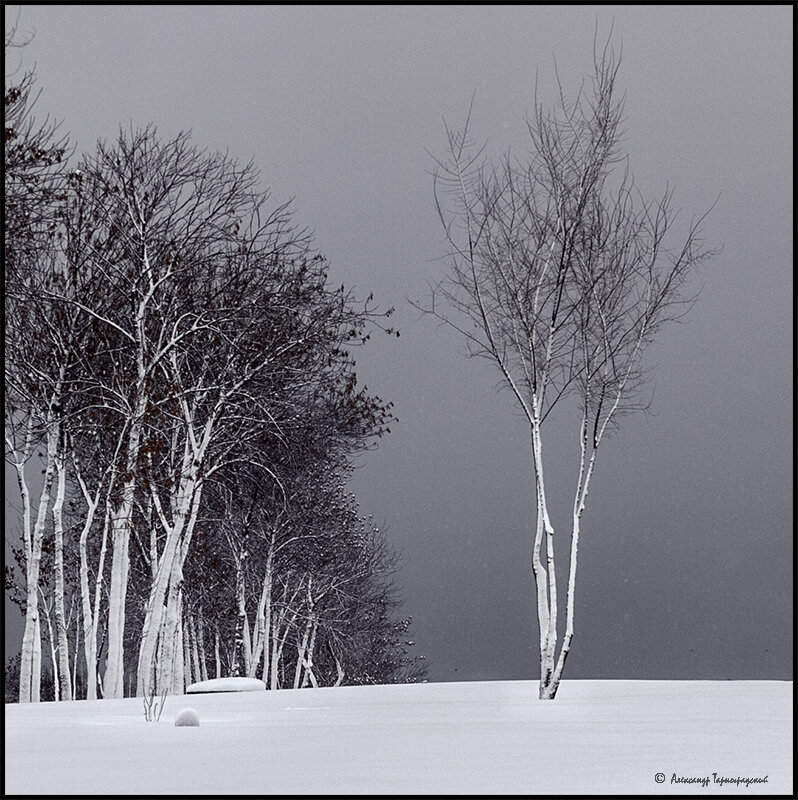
227, 685
187, 718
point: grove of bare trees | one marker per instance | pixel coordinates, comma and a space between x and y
181, 412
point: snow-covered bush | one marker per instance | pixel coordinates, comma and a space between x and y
153, 710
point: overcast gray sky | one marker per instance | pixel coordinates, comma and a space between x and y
686, 553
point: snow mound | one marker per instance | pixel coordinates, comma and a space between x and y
623, 738
187, 718
227, 685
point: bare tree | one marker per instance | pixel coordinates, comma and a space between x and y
560, 273
34, 157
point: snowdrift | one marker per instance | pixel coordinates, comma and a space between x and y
227, 685
597, 737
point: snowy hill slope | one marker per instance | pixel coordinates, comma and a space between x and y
597, 737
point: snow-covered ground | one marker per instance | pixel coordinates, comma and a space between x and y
597, 737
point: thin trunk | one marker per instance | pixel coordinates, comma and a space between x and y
216, 653
192, 631
242, 658
539, 571
276, 665
89, 626
30, 669
247, 646
53, 649
238, 645
277, 648
170, 653
339, 670
201, 632
263, 620
303, 648
30, 663
36, 671
308, 660
274, 654
121, 525
178, 665
541, 585
580, 499
120, 565
188, 670
153, 528
60, 614
546, 578
75, 658
279, 635
95, 646
25, 670
302, 651
155, 682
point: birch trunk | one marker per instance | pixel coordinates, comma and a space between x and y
339, 670
30, 657
580, 499
308, 661
121, 526
36, 671
170, 652
95, 647
178, 667
120, 541
201, 632
302, 651
89, 623
238, 645
53, 649
247, 645
89, 627
60, 614
156, 683
276, 650
274, 677
75, 658
280, 634
273, 656
170, 564
192, 633
187, 645
29, 674
545, 577
185, 507
280, 645
263, 620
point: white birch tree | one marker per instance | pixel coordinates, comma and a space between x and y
560, 273
34, 157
